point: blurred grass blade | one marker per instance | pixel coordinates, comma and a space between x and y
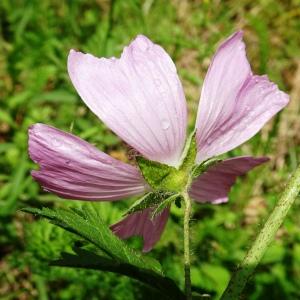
9, 205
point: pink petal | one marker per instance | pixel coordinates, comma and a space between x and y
234, 104
140, 224
73, 168
214, 185
138, 96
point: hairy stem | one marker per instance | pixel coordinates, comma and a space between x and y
263, 240
187, 262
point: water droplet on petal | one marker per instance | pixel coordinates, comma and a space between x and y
167, 62
56, 142
209, 141
164, 95
142, 43
223, 129
241, 46
247, 108
113, 163
261, 91
165, 124
151, 64
269, 114
157, 82
243, 125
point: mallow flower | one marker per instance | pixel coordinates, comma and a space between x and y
140, 98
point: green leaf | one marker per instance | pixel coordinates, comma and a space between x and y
88, 224
203, 167
149, 200
164, 204
89, 260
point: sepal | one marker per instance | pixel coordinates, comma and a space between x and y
165, 204
167, 178
151, 199
204, 166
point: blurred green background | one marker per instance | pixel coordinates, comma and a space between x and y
35, 38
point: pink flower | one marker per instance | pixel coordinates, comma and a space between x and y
140, 98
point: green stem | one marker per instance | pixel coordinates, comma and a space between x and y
187, 261
263, 240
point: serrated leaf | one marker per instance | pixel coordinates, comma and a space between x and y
88, 224
164, 204
203, 167
149, 200
89, 260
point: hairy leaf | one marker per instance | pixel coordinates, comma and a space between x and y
86, 259
88, 224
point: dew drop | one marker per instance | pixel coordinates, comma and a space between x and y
278, 94
165, 124
151, 64
171, 66
163, 95
243, 125
157, 82
112, 163
142, 44
241, 46
269, 114
209, 141
56, 142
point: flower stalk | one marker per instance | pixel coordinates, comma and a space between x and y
187, 261
263, 240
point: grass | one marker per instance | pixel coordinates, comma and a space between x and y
35, 38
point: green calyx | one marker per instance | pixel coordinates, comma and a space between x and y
168, 183
204, 166
162, 177
157, 201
